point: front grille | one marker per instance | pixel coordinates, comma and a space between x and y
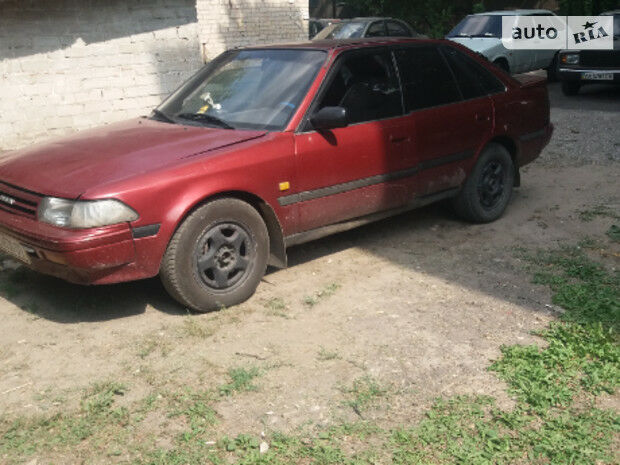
19, 201
600, 58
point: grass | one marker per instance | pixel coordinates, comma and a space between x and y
325, 355
614, 233
598, 210
555, 421
277, 307
240, 381
191, 327
327, 291
364, 394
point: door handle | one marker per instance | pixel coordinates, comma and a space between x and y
481, 117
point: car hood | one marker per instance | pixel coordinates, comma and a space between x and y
67, 167
484, 45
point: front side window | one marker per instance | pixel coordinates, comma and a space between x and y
472, 79
365, 84
247, 89
478, 26
426, 78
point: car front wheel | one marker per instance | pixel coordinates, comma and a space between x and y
217, 256
488, 188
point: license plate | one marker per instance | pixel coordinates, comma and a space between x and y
598, 76
13, 248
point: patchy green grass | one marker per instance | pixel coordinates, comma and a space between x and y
277, 307
325, 355
192, 327
326, 292
240, 381
614, 233
555, 420
599, 210
365, 393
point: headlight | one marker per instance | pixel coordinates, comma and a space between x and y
570, 58
81, 214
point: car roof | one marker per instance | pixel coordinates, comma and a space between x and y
362, 19
342, 43
513, 12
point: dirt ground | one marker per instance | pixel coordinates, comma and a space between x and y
420, 302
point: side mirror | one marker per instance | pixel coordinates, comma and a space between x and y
330, 118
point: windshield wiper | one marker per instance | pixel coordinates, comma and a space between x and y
161, 116
202, 117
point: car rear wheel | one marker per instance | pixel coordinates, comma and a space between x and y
217, 257
488, 188
570, 87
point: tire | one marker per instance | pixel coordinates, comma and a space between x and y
552, 70
503, 65
488, 188
570, 88
217, 256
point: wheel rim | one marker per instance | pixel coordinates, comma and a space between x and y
224, 256
491, 184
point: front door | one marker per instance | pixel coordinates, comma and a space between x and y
345, 173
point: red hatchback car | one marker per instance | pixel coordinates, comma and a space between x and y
266, 147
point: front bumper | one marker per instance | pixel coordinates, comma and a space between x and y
577, 74
89, 256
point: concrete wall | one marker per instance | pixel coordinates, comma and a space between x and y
67, 65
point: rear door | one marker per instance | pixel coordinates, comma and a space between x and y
346, 173
447, 121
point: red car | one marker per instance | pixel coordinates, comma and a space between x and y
267, 147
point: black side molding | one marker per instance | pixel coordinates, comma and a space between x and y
145, 231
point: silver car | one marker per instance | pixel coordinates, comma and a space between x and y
367, 27
482, 33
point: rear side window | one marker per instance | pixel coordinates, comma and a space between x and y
426, 79
395, 29
473, 80
376, 29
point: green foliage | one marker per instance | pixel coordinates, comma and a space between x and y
364, 393
241, 380
614, 233
586, 7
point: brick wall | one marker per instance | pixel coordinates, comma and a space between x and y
67, 65
224, 24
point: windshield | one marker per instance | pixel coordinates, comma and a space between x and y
247, 89
478, 26
350, 30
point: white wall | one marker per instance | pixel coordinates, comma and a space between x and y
67, 65
74, 64
224, 24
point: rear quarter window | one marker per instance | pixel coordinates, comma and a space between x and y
472, 78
